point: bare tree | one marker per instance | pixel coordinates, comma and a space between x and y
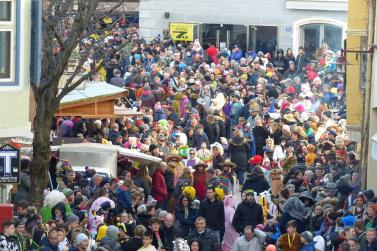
67, 26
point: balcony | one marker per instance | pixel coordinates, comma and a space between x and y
325, 5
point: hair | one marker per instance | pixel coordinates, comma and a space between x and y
195, 240
360, 224
53, 230
154, 220
23, 204
248, 227
187, 173
7, 223
148, 233
292, 223
139, 230
200, 218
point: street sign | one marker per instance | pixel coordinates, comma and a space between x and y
9, 164
182, 31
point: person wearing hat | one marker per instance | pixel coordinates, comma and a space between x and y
227, 179
248, 212
80, 243
307, 241
200, 179
256, 181
240, 154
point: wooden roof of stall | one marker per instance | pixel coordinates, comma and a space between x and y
95, 100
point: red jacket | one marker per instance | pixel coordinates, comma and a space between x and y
200, 181
159, 190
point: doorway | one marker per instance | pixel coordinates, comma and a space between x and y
223, 35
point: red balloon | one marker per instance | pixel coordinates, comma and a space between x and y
271, 248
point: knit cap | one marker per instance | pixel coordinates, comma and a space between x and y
308, 236
80, 238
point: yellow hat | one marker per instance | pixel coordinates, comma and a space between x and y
101, 232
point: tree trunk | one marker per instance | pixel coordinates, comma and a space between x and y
39, 165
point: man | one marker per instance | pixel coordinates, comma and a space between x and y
81, 243
371, 240
212, 209
248, 212
301, 60
117, 80
159, 189
206, 237
200, 137
252, 239
8, 241
171, 115
51, 241
24, 242
171, 231
235, 108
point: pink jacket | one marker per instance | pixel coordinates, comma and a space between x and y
230, 234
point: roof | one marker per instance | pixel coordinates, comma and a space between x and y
91, 90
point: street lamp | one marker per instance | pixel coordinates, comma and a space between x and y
341, 63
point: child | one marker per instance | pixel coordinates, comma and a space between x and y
291, 240
147, 242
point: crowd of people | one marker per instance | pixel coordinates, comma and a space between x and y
254, 149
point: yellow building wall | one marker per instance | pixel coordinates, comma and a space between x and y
14, 104
357, 28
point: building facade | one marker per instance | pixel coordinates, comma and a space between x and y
15, 25
252, 25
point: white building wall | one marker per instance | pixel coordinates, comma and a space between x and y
245, 12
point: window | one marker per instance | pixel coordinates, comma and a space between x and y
263, 38
5, 45
9, 42
317, 35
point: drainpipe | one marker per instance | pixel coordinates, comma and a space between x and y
367, 98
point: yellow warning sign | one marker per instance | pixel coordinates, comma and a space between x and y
182, 31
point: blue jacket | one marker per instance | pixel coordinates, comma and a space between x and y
123, 198
45, 245
308, 246
236, 55
200, 139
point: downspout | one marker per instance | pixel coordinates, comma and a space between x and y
367, 97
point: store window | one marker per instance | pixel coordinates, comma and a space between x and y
314, 36
263, 38
9, 46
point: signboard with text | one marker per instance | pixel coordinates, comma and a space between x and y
182, 31
9, 164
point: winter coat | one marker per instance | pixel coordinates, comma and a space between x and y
216, 160
170, 235
123, 198
214, 214
247, 214
159, 114
293, 209
255, 244
141, 183
256, 182
283, 243
239, 153
230, 234
9, 243
199, 139
186, 223
147, 99
45, 245
132, 244
169, 181
236, 55
308, 247
200, 181
260, 136
163, 240
159, 189
207, 240
301, 61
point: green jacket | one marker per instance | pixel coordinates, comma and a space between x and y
45, 212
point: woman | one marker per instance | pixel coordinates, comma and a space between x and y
227, 181
185, 215
192, 160
190, 138
200, 180
217, 155
195, 245
260, 135
371, 219
239, 154
289, 55
143, 180
230, 234
359, 209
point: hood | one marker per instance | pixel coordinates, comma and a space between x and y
229, 201
295, 208
255, 177
237, 141
59, 206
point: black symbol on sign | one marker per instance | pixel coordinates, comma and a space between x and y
181, 34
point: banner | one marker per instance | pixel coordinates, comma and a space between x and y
9, 164
182, 31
